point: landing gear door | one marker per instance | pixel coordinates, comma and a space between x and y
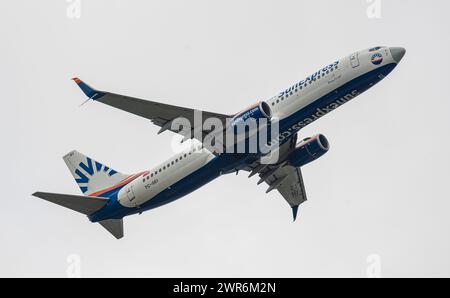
354, 60
130, 195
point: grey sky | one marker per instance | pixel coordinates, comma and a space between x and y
382, 188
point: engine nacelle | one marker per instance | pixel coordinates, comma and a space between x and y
309, 150
260, 110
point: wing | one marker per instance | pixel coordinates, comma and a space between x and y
162, 115
288, 180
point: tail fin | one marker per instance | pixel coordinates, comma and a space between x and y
85, 205
91, 175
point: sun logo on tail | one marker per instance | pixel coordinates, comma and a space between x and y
88, 170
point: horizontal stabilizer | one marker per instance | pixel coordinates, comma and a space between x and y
82, 204
114, 226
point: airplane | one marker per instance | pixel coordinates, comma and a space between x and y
108, 195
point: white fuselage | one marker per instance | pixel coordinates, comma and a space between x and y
284, 105
164, 175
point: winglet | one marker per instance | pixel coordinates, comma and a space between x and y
88, 90
294, 212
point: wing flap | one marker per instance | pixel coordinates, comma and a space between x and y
288, 180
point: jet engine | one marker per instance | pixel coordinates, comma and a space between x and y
246, 127
258, 111
309, 150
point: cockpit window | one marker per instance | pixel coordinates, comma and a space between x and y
375, 49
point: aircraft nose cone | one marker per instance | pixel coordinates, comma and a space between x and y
398, 53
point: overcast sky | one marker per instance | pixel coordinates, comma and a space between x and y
379, 199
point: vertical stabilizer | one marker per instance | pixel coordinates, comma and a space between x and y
91, 175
